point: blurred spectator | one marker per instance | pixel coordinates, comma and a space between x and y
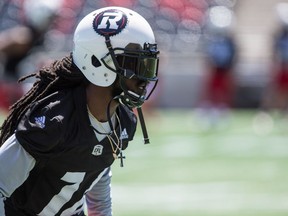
276, 96
18, 42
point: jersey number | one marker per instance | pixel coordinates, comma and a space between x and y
74, 179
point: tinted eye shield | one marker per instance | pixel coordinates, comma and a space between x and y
140, 64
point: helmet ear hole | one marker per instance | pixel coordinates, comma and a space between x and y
95, 62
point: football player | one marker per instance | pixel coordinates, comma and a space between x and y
62, 136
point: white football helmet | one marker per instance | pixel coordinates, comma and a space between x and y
115, 41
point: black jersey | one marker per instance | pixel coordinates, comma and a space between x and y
57, 133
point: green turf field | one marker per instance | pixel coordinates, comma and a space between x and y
236, 167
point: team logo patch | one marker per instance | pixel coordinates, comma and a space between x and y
110, 22
40, 121
97, 150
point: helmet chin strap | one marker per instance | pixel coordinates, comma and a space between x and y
124, 99
143, 125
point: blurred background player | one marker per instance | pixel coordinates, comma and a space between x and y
220, 52
276, 95
18, 42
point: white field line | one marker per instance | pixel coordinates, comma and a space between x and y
209, 197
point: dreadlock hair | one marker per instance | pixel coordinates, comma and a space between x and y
61, 74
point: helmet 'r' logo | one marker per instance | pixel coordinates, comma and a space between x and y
110, 22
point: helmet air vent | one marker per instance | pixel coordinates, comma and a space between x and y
95, 62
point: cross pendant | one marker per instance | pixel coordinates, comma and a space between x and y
121, 157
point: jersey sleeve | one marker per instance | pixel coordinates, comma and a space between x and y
2, 205
40, 130
16, 164
98, 199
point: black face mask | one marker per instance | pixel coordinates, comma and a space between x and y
133, 62
137, 63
